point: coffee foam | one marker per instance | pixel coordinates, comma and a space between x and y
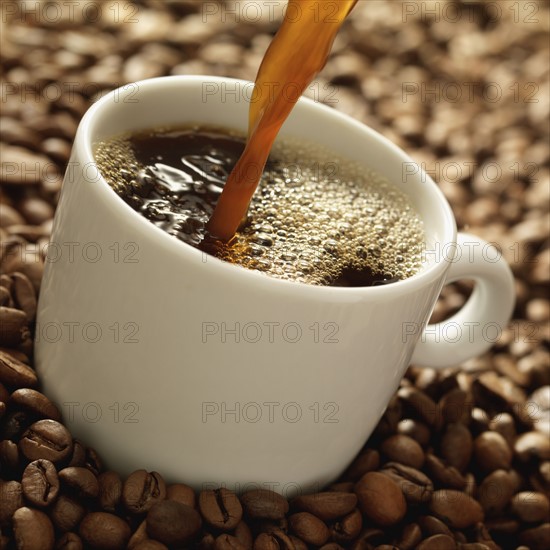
313, 216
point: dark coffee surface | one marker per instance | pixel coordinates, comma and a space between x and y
316, 217
179, 176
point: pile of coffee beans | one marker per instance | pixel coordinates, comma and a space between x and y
461, 458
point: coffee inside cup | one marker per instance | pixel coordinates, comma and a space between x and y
316, 218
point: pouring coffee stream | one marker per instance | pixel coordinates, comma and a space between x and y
296, 54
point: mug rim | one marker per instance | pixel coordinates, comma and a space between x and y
83, 145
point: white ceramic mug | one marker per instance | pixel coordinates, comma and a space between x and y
162, 358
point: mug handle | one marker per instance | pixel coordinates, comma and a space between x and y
477, 325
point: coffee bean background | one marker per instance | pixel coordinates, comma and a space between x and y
461, 458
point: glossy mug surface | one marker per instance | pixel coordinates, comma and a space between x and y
165, 359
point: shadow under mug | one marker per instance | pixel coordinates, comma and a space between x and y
163, 358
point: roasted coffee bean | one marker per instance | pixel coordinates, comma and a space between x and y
264, 504
140, 535
40, 483
14, 373
14, 424
430, 525
35, 402
228, 542
456, 509
32, 530
265, 542
66, 513
540, 479
369, 538
309, 528
36, 211
110, 490
244, 535
69, 541
347, 528
531, 507
380, 498
93, 462
11, 498
438, 542
103, 531
366, 461
78, 457
537, 538
16, 354
532, 445
283, 539
423, 406
275, 540
404, 449
13, 326
299, 544
415, 429
456, 406
492, 452
270, 525
388, 423
8, 215
415, 486
46, 439
24, 295
496, 490
446, 476
141, 490
410, 537
220, 508
173, 523
457, 446
327, 505
181, 493
79, 481
505, 425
